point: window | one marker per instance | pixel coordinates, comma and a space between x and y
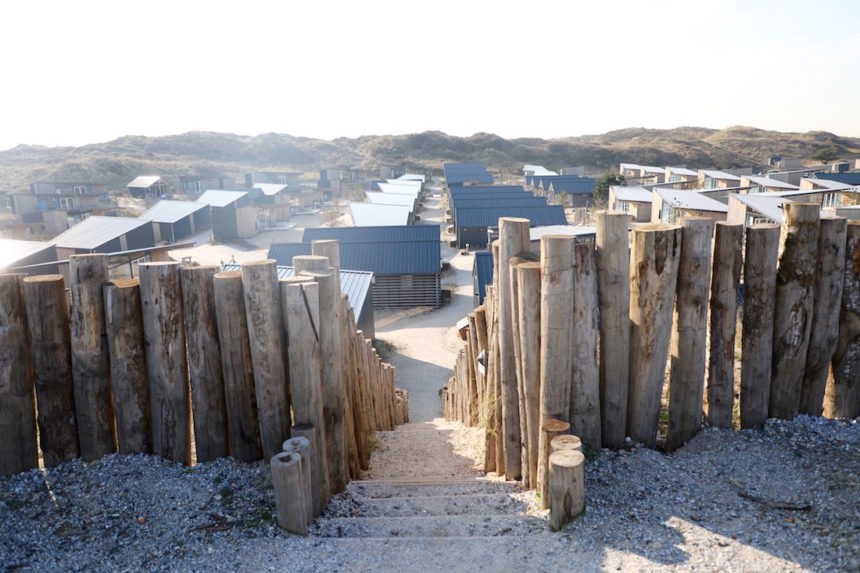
80, 189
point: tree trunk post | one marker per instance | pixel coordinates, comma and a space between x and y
654, 256
584, 378
824, 334
237, 368
265, 334
18, 447
90, 359
302, 446
567, 487
613, 276
164, 335
549, 430
530, 343
129, 374
289, 498
728, 262
688, 346
51, 349
762, 245
204, 363
792, 319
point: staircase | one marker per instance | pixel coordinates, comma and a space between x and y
446, 500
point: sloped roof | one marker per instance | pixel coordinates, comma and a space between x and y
96, 230
459, 173
220, 198
690, 200
394, 188
535, 233
501, 201
13, 250
380, 258
799, 192
851, 178
630, 166
144, 181
683, 171
489, 189
768, 182
765, 204
482, 268
632, 194
652, 169
370, 214
412, 177
489, 216
395, 233
354, 284
572, 184
714, 174
270, 189
538, 170
412, 184
843, 184
379, 198
168, 211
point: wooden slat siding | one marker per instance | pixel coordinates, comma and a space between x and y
390, 291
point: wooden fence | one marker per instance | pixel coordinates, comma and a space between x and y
607, 337
130, 365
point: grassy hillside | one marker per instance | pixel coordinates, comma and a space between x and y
117, 162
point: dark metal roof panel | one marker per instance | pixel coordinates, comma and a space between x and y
483, 270
459, 173
489, 216
374, 234
380, 258
486, 189
503, 201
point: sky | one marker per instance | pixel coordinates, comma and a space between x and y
80, 72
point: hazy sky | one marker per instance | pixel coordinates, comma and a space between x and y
81, 72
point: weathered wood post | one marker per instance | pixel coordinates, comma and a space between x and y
164, 335
301, 307
18, 448
688, 345
237, 367
476, 390
792, 319
762, 245
565, 442
204, 363
530, 343
302, 446
498, 416
289, 500
90, 360
318, 467
829, 274
549, 430
613, 276
129, 374
567, 487
728, 261
842, 396
556, 336
51, 349
584, 377
654, 256
334, 392
513, 239
490, 389
514, 293
265, 334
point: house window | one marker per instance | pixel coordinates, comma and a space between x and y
667, 213
80, 189
68, 203
282, 179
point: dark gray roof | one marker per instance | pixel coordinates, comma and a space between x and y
374, 234
483, 271
96, 230
527, 200
459, 173
354, 284
381, 258
486, 189
168, 211
489, 216
847, 178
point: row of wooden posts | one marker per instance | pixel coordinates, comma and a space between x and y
544, 346
129, 365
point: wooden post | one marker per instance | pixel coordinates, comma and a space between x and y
550, 429
475, 390
728, 261
567, 487
265, 333
556, 336
613, 276
319, 469
792, 318
330, 249
513, 283
829, 274
334, 392
18, 448
90, 361
498, 417
530, 342
300, 306
653, 275
51, 349
565, 442
237, 368
129, 374
688, 346
490, 389
762, 245
302, 446
584, 377
204, 363
164, 335
842, 396
289, 501
513, 239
